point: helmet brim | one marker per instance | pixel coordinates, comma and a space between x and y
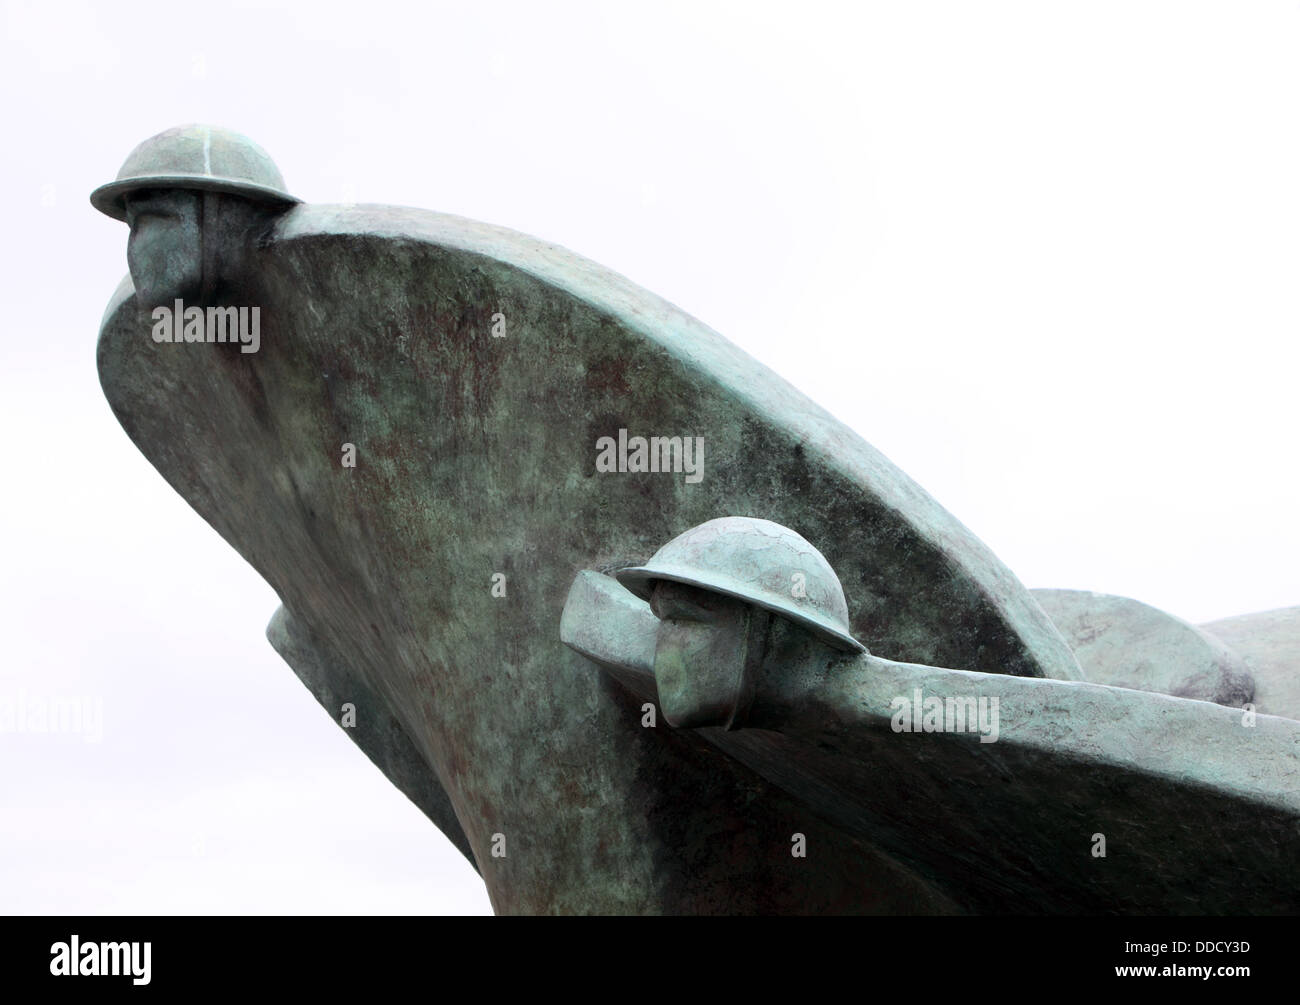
640, 581
110, 199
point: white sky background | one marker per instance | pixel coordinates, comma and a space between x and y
1042, 255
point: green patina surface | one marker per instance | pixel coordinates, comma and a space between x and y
477, 456
425, 584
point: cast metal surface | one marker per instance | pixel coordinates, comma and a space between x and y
473, 371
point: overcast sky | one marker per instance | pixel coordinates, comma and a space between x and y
1042, 255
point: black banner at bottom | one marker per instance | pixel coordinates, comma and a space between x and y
146, 955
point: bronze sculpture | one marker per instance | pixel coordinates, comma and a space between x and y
474, 373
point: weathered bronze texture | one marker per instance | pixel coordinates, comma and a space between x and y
439, 436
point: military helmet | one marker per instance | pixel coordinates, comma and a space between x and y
195, 157
759, 562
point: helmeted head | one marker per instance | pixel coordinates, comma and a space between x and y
191, 196
759, 562
716, 590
